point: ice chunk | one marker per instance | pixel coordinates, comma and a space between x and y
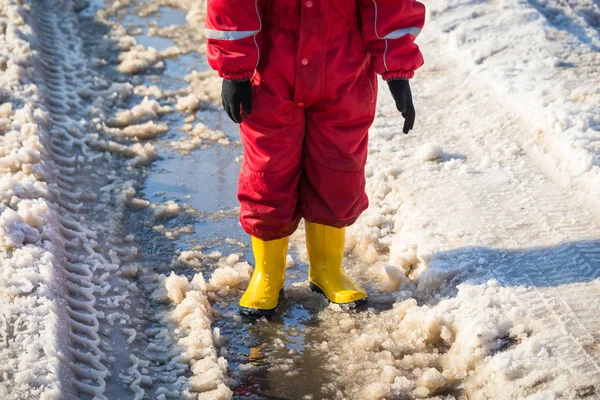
430, 152
188, 103
168, 210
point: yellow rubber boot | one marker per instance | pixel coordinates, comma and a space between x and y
262, 295
325, 246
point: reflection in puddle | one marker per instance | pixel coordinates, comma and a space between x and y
278, 358
275, 359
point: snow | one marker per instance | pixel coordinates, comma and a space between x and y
152, 91
431, 380
430, 152
406, 343
140, 154
139, 58
61, 298
227, 276
192, 317
206, 86
146, 111
199, 135
480, 248
146, 130
31, 243
165, 211
541, 58
188, 103
450, 245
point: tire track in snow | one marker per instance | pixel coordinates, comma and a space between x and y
66, 147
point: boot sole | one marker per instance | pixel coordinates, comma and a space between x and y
257, 312
353, 304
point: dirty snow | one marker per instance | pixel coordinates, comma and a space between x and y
191, 321
480, 249
146, 111
31, 241
140, 58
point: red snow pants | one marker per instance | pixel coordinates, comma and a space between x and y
313, 66
305, 142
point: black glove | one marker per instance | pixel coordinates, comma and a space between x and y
235, 93
401, 92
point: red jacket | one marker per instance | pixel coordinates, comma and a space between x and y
388, 27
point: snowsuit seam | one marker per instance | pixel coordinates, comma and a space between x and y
371, 85
256, 34
379, 37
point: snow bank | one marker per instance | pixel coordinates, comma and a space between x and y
542, 58
33, 345
49, 324
454, 330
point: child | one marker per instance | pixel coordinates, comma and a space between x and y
299, 76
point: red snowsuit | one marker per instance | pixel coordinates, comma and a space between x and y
312, 65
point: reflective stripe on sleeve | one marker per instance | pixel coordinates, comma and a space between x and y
229, 35
397, 34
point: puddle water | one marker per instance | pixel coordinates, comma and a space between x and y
159, 43
185, 64
167, 16
164, 17
276, 359
175, 69
205, 179
92, 7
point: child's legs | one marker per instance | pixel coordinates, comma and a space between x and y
332, 189
273, 137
